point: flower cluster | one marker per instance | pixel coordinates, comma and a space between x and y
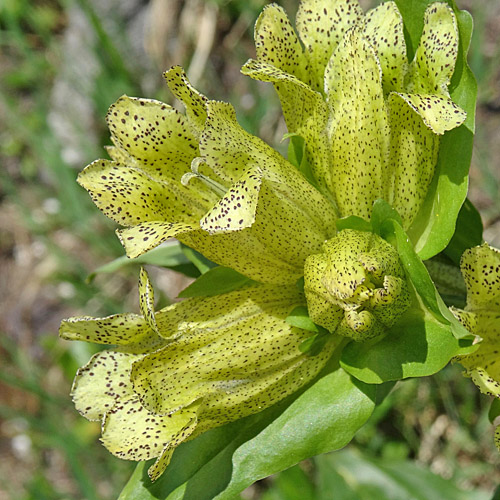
370, 122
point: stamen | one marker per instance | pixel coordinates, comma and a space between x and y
217, 188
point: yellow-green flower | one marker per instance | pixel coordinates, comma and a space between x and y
481, 270
192, 366
238, 198
370, 124
370, 119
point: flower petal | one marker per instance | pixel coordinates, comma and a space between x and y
119, 155
277, 44
194, 102
131, 432
435, 57
481, 270
230, 151
236, 210
130, 196
355, 288
245, 252
102, 382
438, 113
157, 469
413, 157
483, 367
305, 113
359, 131
143, 237
319, 304
384, 31
321, 25
155, 134
147, 300
130, 331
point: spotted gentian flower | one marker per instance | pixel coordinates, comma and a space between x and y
370, 122
201, 178
192, 366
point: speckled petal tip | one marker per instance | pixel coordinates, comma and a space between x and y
322, 25
384, 31
432, 68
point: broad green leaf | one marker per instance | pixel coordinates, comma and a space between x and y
468, 232
168, 255
291, 484
381, 212
434, 225
197, 259
216, 281
417, 346
353, 222
420, 278
222, 462
299, 317
349, 475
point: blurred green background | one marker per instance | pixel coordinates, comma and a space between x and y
62, 63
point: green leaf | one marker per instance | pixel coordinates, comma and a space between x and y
417, 346
381, 212
296, 149
413, 19
353, 476
297, 156
494, 410
216, 281
222, 462
291, 484
197, 259
353, 222
419, 276
170, 255
299, 317
434, 225
468, 232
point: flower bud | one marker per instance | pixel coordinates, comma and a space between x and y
356, 287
